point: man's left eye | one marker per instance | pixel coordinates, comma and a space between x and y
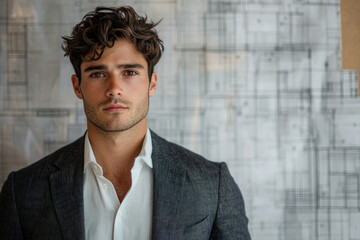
130, 73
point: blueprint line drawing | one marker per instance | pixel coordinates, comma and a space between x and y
256, 84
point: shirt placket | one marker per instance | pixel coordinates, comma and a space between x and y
120, 223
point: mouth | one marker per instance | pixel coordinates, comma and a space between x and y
114, 108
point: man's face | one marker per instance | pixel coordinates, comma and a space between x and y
115, 88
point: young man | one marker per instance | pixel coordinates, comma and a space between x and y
120, 180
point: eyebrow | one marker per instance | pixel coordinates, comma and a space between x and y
120, 66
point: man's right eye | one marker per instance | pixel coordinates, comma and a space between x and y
97, 75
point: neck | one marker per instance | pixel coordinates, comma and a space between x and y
116, 151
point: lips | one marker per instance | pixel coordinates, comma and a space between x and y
114, 108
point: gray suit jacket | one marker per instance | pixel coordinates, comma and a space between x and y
193, 198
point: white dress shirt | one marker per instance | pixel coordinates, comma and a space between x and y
105, 217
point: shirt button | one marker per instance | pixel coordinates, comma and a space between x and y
96, 170
106, 186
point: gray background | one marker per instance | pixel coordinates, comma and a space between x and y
257, 84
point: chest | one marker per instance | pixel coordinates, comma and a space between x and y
120, 217
122, 184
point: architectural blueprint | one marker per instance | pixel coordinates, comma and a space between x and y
254, 83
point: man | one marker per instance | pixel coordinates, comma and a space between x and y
120, 180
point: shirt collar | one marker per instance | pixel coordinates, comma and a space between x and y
145, 153
146, 150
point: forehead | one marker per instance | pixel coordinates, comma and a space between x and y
122, 52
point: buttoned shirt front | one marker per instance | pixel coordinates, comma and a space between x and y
105, 216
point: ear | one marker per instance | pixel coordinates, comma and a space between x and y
153, 84
76, 85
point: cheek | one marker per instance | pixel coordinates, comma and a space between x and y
136, 89
93, 90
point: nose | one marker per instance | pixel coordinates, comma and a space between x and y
114, 87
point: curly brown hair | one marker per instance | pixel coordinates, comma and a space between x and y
101, 27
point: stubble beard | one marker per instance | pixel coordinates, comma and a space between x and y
116, 125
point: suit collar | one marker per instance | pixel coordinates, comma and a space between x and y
169, 178
164, 157
67, 190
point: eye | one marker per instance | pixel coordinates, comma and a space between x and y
97, 75
130, 73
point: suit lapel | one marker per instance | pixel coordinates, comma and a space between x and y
168, 187
67, 191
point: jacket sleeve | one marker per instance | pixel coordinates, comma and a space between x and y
9, 220
230, 220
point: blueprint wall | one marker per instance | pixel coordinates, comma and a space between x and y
257, 84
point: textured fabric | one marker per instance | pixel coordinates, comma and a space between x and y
44, 200
105, 217
192, 198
